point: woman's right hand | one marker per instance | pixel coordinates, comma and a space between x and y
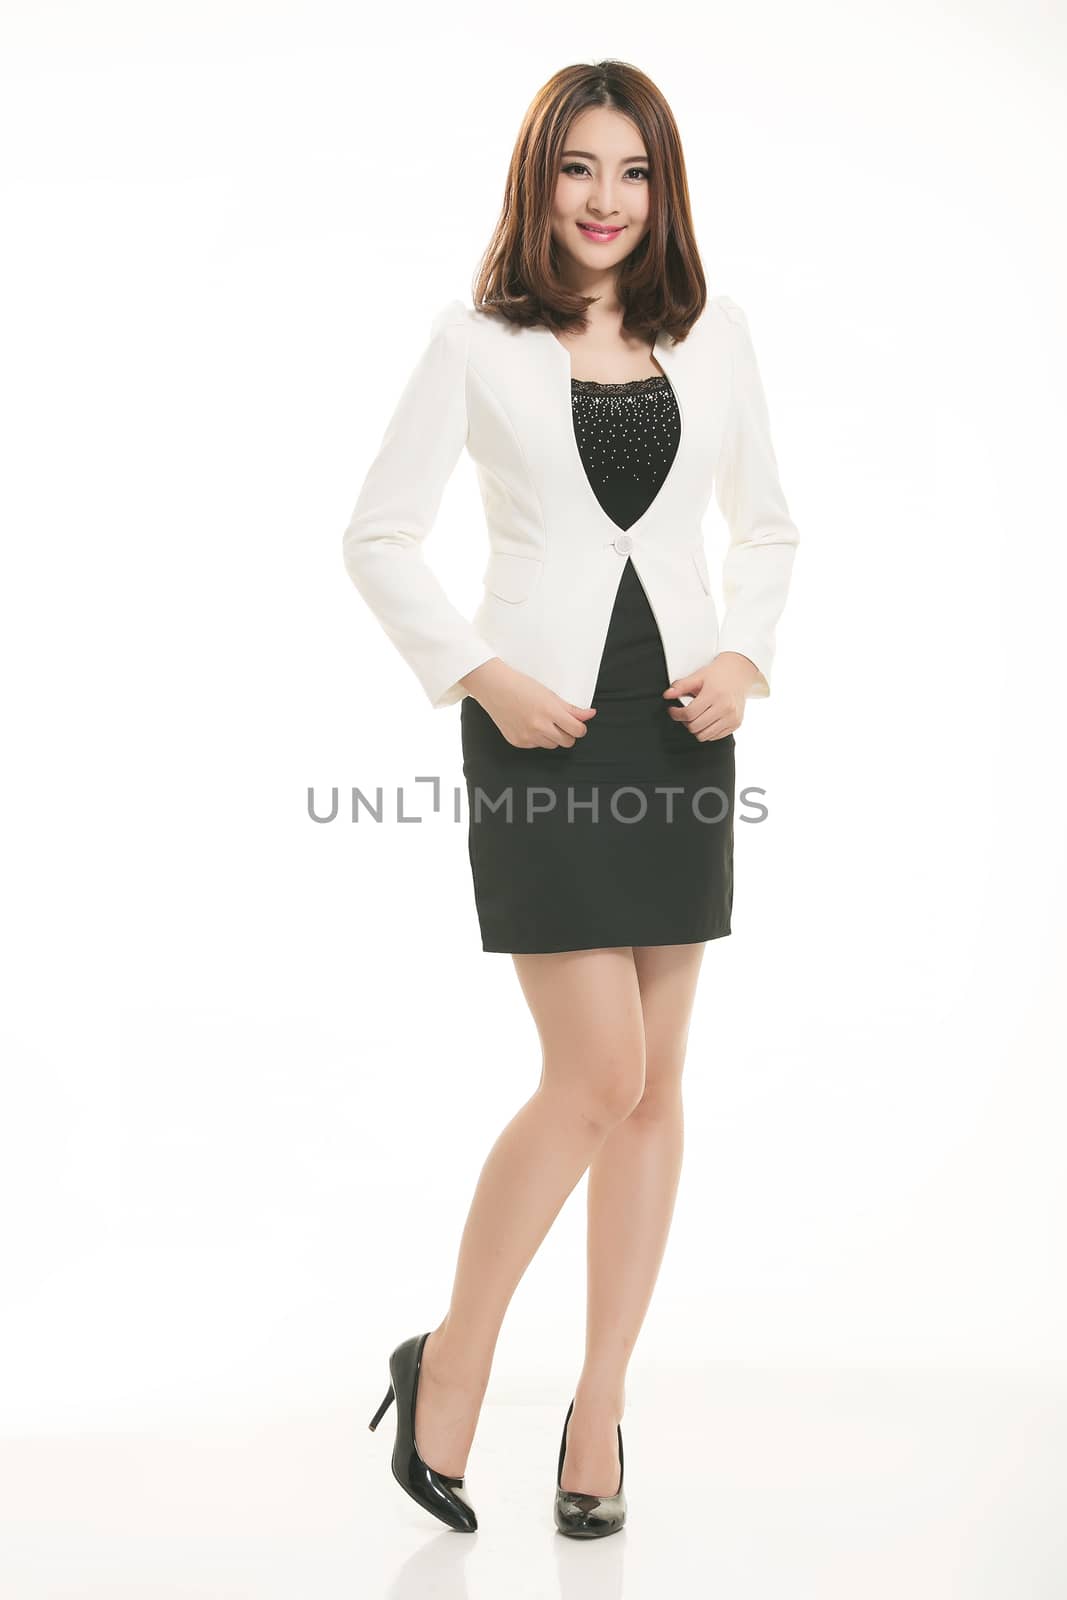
526, 711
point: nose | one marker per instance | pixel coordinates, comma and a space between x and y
602, 202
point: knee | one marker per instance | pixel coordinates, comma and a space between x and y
658, 1102
660, 1099
609, 1088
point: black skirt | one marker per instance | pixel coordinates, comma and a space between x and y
626, 837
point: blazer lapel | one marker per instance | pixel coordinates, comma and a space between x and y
547, 409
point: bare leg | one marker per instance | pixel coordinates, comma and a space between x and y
587, 1008
633, 1181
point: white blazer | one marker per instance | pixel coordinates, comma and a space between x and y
555, 556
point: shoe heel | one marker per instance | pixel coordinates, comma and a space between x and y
383, 1408
443, 1495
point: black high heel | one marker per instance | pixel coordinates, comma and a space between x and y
588, 1516
442, 1496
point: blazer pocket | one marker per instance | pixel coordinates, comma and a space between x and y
701, 563
511, 577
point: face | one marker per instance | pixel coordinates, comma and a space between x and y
602, 182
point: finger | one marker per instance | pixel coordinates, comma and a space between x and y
710, 709
717, 728
688, 713
567, 723
687, 685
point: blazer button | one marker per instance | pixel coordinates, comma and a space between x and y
624, 543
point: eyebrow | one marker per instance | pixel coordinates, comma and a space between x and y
589, 156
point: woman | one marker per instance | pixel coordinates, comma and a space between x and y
594, 674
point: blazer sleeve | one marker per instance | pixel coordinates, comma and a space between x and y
763, 539
397, 507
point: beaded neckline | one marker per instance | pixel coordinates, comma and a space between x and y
634, 383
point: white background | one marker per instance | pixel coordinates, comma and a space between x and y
252, 1063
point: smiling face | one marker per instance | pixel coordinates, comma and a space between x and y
600, 208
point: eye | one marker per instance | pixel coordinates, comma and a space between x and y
580, 166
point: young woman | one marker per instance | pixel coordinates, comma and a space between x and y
603, 397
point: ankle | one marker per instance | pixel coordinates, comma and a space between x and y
454, 1369
599, 1396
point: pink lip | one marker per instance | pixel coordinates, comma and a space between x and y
598, 235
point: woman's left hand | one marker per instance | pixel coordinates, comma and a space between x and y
719, 690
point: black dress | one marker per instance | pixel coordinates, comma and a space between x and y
626, 837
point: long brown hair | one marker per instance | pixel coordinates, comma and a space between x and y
661, 282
